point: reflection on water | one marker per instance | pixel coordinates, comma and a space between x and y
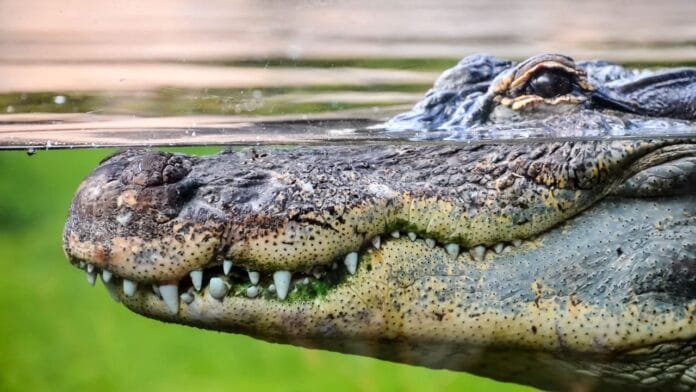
105, 73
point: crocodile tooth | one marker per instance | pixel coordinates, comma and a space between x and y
305, 281
254, 277
197, 279
186, 297
318, 274
271, 288
412, 235
498, 247
81, 264
217, 288
129, 287
91, 278
452, 249
395, 234
334, 265
478, 252
376, 242
351, 262
106, 276
517, 242
170, 296
430, 242
252, 291
281, 279
155, 289
90, 268
507, 249
227, 266
111, 289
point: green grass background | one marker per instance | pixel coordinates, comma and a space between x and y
59, 334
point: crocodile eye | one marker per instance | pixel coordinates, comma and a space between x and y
550, 83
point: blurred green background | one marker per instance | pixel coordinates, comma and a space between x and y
60, 334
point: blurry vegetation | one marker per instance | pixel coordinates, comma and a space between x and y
48, 102
417, 64
217, 101
60, 334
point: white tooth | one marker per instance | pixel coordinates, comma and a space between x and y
227, 266
197, 279
155, 289
376, 242
318, 274
305, 281
90, 268
129, 287
271, 288
452, 249
334, 266
186, 297
254, 277
395, 234
252, 291
430, 242
412, 235
91, 277
507, 249
81, 264
517, 242
351, 262
217, 288
111, 289
106, 276
498, 247
281, 279
478, 252
170, 296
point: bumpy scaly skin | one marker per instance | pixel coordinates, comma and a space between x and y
293, 209
600, 292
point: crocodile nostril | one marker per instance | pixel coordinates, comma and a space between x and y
153, 169
177, 168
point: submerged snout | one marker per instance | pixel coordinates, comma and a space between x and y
131, 217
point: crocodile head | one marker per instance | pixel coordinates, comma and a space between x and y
545, 263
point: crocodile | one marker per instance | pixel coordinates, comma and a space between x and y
560, 264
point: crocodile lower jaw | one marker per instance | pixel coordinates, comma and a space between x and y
227, 280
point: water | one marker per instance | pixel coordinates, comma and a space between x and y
83, 74
98, 74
